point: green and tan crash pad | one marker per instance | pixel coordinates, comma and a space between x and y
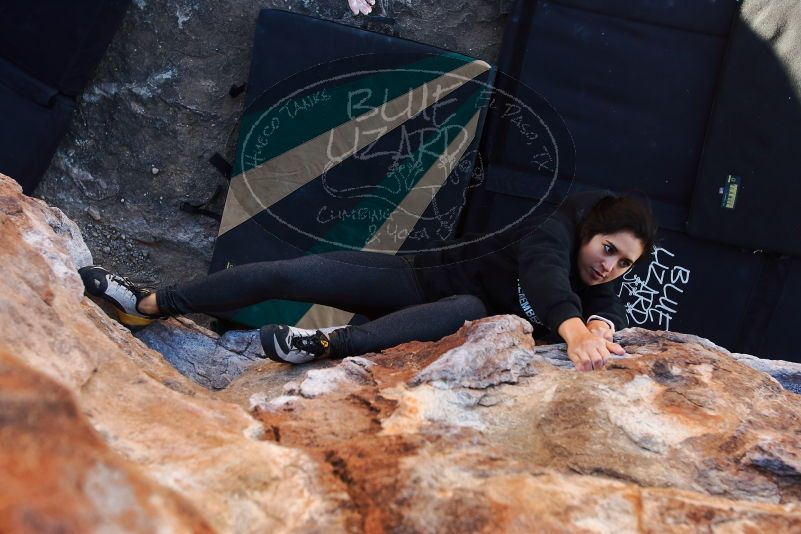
350, 140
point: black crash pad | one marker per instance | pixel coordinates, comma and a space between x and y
48, 51
749, 187
633, 81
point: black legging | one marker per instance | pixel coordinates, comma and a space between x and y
379, 286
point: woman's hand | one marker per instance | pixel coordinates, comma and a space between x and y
361, 6
600, 329
585, 349
589, 351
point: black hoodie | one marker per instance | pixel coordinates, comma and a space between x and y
530, 272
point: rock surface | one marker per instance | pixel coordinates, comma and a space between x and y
200, 354
58, 475
159, 100
479, 432
173, 435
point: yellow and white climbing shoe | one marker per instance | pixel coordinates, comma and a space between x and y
118, 291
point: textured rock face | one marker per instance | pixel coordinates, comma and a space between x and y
158, 108
151, 421
479, 432
201, 355
432, 437
57, 474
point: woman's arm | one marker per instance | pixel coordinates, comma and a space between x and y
544, 263
544, 267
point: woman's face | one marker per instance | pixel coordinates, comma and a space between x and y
607, 256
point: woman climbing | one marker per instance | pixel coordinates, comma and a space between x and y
556, 273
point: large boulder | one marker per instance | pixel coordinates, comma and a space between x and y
481, 431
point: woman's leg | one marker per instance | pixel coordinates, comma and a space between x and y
422, 322
359, 282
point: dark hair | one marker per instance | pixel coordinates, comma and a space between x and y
613, 214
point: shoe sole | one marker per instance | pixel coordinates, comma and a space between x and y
132, 320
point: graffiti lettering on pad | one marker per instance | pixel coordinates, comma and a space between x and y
656, 299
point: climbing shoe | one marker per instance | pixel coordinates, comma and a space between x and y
118, 291
287, 344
